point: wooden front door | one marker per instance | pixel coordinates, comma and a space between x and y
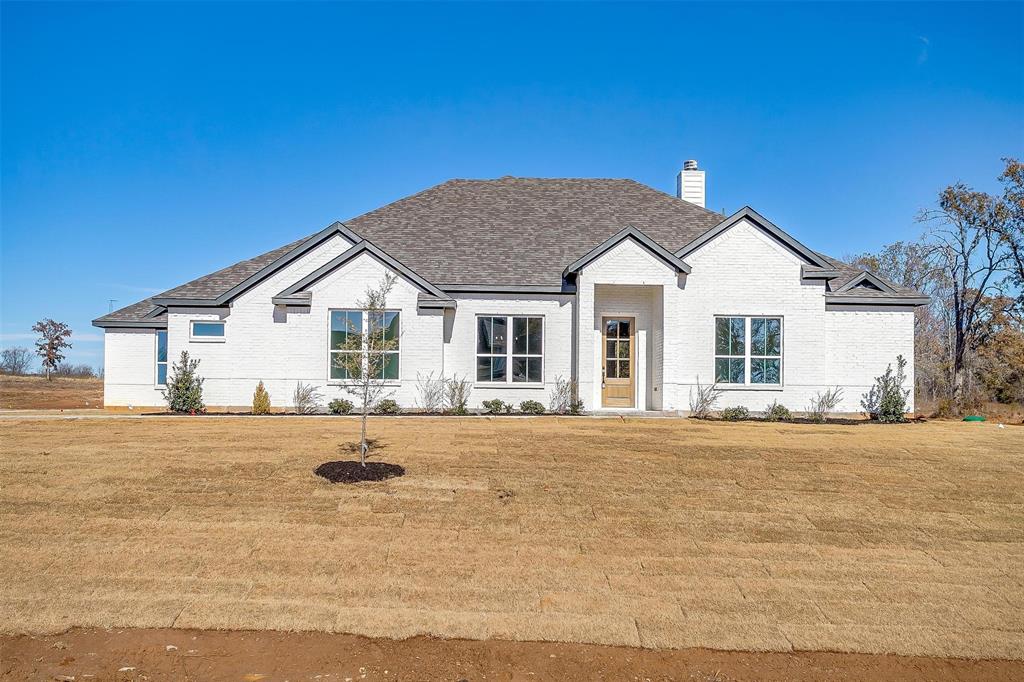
618, 370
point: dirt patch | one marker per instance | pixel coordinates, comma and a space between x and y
654, 533
354, 472
273, 656
36, 393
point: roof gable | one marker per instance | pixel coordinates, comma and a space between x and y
778, 234
867, 280
224, 285
630, 233
298, 294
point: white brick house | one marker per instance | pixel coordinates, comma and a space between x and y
514, 283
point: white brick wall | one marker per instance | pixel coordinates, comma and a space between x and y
460, 347
861, 341
743, 272
129, 368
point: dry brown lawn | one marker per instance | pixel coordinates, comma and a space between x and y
32, 393
644, 532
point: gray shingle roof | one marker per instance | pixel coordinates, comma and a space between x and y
506, 232
522, 231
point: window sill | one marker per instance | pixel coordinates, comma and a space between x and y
507, 384
346, 384
751, 387
206, 340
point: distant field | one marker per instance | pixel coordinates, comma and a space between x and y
36, 393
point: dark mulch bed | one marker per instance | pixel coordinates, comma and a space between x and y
354, 472
837, 421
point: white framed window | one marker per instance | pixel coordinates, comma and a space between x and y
510, 349
206, 330
161, 358
748, 350
346, 323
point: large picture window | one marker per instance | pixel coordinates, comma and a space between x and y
349, 328
748, 350
516, 360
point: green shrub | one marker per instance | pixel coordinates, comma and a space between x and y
388, 406
887, 399
531, 407
777, 413
498, 406
735, 414
184, 387
261, 400
340, 406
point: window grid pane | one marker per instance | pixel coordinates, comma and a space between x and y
730, 347
757, 356
527, 347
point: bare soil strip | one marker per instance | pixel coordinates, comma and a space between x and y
100, 655
644, 533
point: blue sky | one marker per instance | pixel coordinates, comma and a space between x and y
147, 144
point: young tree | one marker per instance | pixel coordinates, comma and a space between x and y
53, 340
184, 386
967, 248
15, 360
367, 357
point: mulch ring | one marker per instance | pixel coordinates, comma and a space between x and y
354, 472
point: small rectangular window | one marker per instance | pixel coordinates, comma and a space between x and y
519, 359
161, 358
206, 331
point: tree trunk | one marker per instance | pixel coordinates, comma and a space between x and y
362, 433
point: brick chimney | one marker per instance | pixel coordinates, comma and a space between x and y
690, 184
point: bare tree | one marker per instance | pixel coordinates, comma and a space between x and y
1012, 228
966, 247
367, 356
15, 360
907, 264
53, 340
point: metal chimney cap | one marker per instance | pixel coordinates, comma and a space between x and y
690, 164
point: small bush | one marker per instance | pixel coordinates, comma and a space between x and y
777, 413
565, 397
531, 407
823, 404
306, 398
456, 395
261, 400
430, 392
498, 406
704, 401
735, 414
340, 406
184, 387
388, 406
887, 399
945, 408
